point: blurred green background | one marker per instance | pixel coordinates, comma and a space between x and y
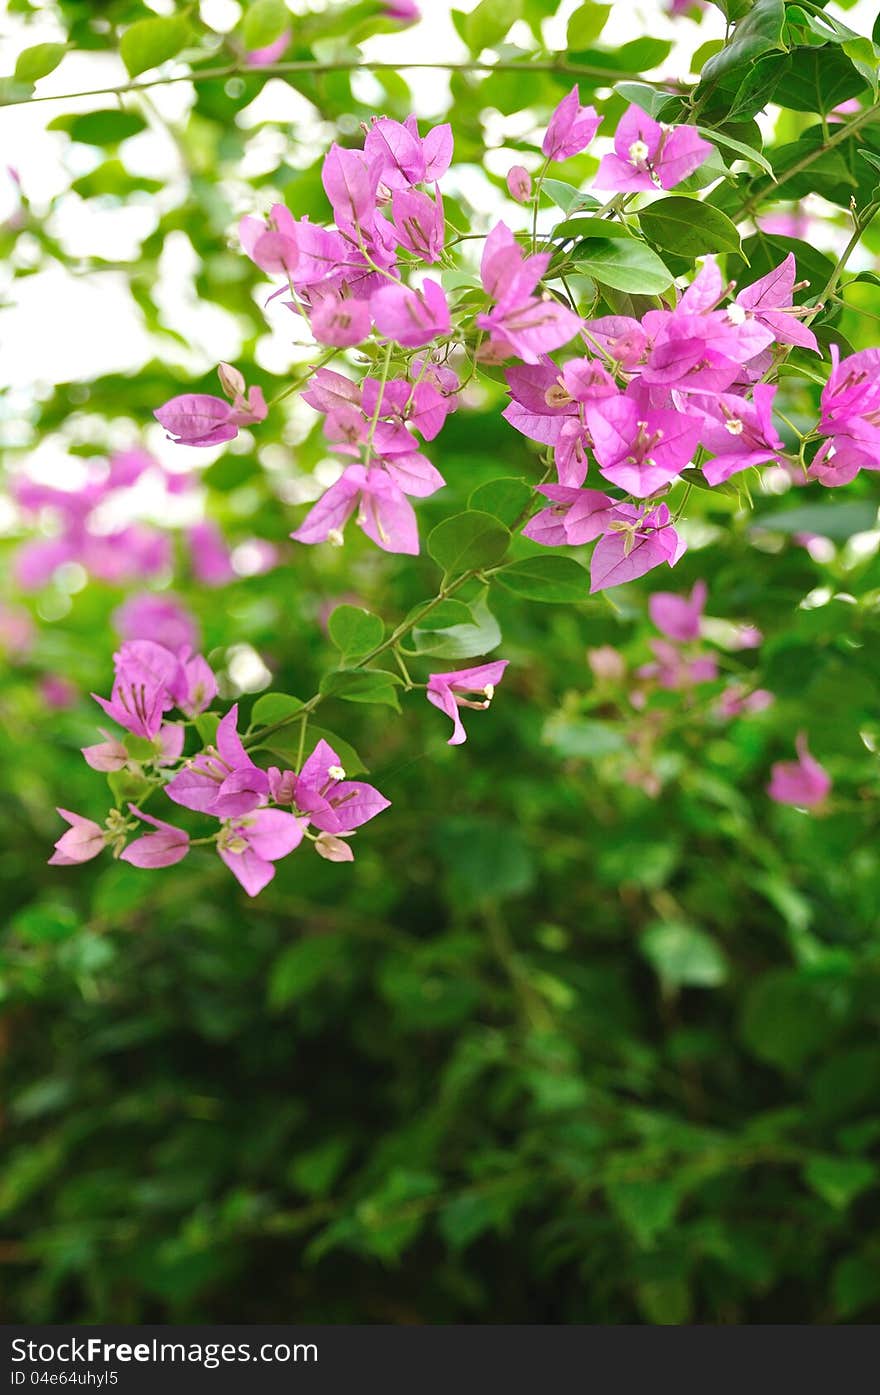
589, 1030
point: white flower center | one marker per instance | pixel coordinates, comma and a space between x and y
638, 152
734, 426
736, 314
336, 772
335, 537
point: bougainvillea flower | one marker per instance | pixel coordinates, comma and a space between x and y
403, 156
648, 155
272, 243
803, 782
769, 301
411, 318
679, 617
736, 701
739, 433
350, 180
197, 419
419, 222
160, 849
674, 671
208, 554
384, 513
620, 337
142, 688
334, 804
106, 755
250, 845
851, 396
575, 516
571, 128
82, 841
507, 274
570, 453
586, 379
635, 543
838, 461
540, 404
519, 184
222, 779
449, 691
195, 686
530, 329
640, 448
339, 320
160, 618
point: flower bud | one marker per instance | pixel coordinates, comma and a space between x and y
231, 380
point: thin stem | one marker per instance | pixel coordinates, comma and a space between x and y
386, 364
604, 75
863, 119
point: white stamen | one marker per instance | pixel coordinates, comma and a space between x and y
736, 314
734, 426
638, 152
336, 772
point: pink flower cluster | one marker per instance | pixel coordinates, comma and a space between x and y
82, 532
262, 815
374, 422
347, 279
652, 393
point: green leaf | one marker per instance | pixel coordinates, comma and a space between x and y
586, 24
757, 33
468, 542
683, 956
745, 152
263, 23
363, 685
836, 521
626, 265
273, 707
856, 1281
688, 227
485, 858
840, 1180
818, 79
640, 94
303, 966
504, 499
487, 25
206, 724
583, 738
567, 197
355, 631
150, 42
37, 62
315, 1170
646, 1207
546, 578
100, 127
478, 633
786, 1020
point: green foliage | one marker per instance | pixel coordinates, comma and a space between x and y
152, 41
